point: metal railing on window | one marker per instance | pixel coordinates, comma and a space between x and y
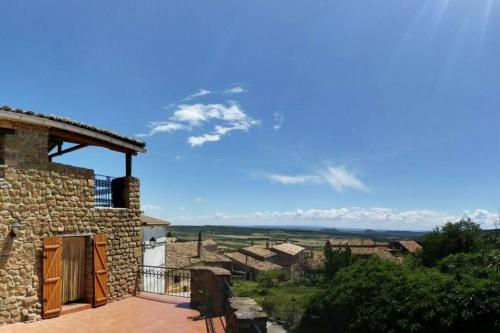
165, 281
103, 191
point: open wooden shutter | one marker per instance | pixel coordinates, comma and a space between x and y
52, 273
100, 271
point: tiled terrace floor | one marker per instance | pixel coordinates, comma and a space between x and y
144, 313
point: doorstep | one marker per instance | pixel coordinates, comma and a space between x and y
74, 307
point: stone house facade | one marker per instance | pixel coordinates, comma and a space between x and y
288, 254
44, 205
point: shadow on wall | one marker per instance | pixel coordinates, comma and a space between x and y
5, 249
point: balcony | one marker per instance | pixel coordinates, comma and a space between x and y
111, 192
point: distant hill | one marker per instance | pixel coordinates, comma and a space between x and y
283, 232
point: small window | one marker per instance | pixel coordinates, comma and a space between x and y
177, 279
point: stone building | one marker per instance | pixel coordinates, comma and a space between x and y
287, 254
248, 266
66, 235
259, 252
407, 246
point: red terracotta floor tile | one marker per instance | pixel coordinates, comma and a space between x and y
144, 313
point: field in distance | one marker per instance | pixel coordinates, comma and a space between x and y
311, 238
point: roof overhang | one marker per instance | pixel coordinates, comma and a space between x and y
94, 138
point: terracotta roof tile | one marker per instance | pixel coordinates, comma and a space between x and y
152, 221
251, 262
411, 246
258, 251
68, 121
185, 254
288, 248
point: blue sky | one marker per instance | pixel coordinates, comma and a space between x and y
364, 114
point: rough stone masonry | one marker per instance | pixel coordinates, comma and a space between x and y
50, 199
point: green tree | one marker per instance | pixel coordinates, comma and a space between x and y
377, 295
336, 259
460, 237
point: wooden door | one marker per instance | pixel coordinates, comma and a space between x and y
100, 271
52, 284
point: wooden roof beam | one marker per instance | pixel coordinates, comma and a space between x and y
60, 151
61, 135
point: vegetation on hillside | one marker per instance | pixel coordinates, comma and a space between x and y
282, 299
453, 286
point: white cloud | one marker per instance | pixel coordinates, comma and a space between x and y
202, 139
353, 217
151, 208
279, 119
199, 199
199, 93
291, 180
221, 118
239, 89
162, 127
339, 178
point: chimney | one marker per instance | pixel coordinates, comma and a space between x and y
199, 245
267, 245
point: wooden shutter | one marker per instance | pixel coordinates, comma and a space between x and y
100, 271
52, 272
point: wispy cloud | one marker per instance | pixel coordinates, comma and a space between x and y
162, 127
199, 93
238, 89
351, 217
222, 118
339, 178
195, 141
279, 119
151, 208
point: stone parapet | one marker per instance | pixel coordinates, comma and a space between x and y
244, 315
208, 286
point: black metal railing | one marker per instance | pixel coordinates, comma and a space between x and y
165, 281
103, 191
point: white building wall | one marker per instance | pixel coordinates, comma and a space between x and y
153, 281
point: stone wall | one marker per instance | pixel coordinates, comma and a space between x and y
208, 289
244, 315
210, 294
55, 200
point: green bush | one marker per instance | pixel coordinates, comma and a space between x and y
273, 278
461, 237
381, 296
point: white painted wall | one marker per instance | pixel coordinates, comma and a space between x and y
154, 257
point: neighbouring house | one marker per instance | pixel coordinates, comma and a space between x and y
246, 265
287, 254
314, 262
362, 248
259, 252
407, 246
183, 255
154, 240
66, 234
209, 245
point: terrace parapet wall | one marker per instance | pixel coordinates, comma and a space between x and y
51, 199
244, 315
208, 289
